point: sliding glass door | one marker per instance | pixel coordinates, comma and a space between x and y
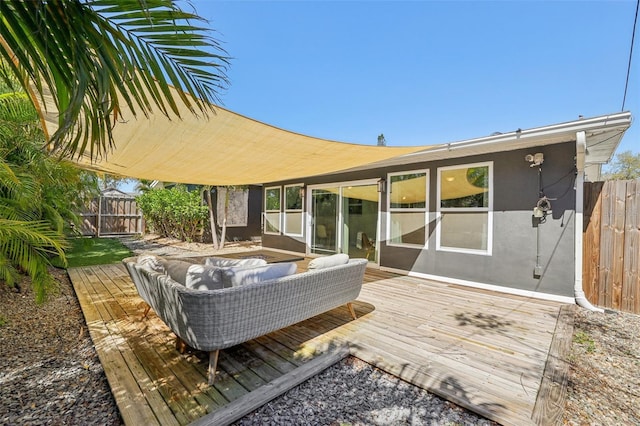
324, 220
344, 219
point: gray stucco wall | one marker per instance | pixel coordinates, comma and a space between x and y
515, 233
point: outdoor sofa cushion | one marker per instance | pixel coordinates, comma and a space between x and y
203, 277
210, 275
239, 276
177, 269
224, 262
151, 262
329, 261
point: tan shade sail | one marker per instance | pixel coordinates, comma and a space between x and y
224, 149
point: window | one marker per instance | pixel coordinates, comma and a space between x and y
464, 208
272, 210
293, 215
408, 208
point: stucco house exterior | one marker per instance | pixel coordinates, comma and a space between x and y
502, 212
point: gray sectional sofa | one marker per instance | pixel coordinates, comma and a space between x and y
222, 303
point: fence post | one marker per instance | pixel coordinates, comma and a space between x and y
99, 226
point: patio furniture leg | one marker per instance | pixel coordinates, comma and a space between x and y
146, 312
353, 312
213, 365
181, 346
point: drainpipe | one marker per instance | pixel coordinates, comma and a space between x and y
581, 148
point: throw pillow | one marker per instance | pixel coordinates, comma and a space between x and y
329, 261
226, 262
151, 262
203, 277
237, 276
177, 270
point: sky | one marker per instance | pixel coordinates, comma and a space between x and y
423, 72
426, 72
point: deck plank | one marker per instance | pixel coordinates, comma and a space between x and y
482, 350
136, 403
551, 399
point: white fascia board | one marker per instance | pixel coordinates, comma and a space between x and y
523, 138
519, 139
552, 132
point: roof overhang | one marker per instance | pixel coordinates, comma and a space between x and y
603, 135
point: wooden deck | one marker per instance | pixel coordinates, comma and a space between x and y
485, 351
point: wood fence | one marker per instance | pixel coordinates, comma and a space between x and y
611, 251
112, 215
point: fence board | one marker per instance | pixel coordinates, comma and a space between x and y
617, 268
606, 247
112, 215
591, 240
611, 250
631, 280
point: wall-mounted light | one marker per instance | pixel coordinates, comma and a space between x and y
535, 159
382, 185
302, 192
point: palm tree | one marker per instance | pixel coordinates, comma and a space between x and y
144, 185
31, 218
93, 55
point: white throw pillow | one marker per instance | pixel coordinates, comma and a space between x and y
237, 276
226, 262
151, 262
329, 261
203, 277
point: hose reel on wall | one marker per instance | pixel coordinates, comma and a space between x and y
543, 206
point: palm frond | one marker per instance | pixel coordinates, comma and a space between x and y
28, 246
91, 55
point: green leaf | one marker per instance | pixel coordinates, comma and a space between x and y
92, 55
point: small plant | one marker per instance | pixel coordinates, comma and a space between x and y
3, 321
582, 338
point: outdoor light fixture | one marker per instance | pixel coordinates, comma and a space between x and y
381, 185
535, 159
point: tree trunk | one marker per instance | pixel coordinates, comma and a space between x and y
223, 237
214, 231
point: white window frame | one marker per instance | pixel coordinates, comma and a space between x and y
424, 210
299, 211
488, 210
279, 211
340, 219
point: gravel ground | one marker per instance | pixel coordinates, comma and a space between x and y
353, 392
604, 381
50, 372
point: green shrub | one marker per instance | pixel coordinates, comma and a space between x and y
174, 212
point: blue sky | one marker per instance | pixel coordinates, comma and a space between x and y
426, 72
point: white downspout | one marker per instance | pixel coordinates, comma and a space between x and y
581, 148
